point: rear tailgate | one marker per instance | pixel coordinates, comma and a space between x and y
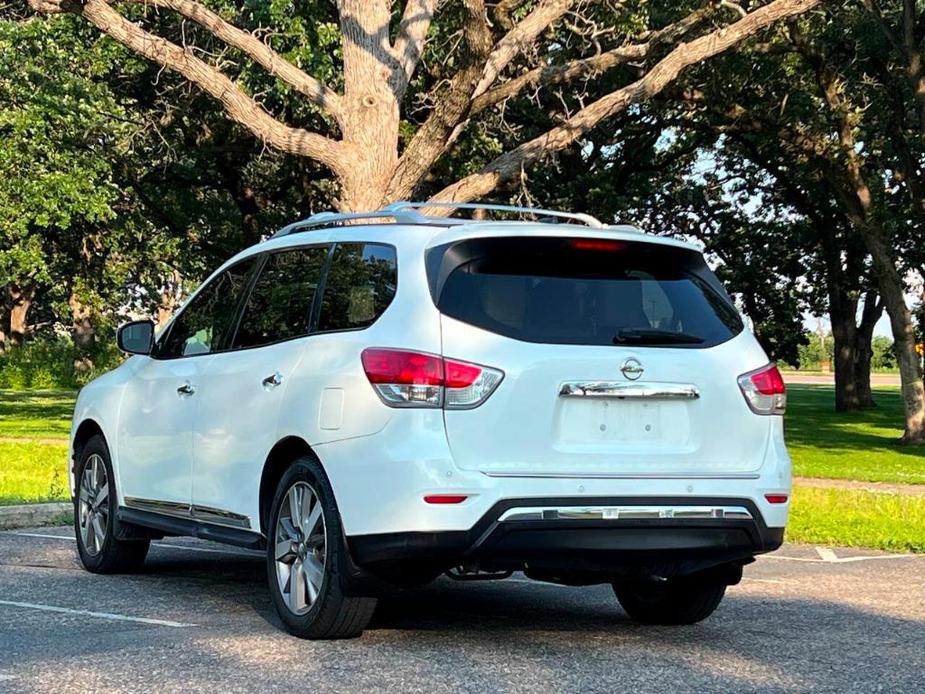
661, 399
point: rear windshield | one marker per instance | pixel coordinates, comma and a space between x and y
583, 291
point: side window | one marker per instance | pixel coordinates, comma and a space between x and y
280, 304
205, 322
359, 287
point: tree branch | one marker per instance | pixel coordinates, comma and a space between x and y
239, 106
318, 93
409, 44
509, 165
435, 134
549, 75
521, 36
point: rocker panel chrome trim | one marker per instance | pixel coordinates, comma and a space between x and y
205, 514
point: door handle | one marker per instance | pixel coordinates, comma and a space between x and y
186, 389
273, 380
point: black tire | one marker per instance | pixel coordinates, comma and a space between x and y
330, 614
685, 600
111, 555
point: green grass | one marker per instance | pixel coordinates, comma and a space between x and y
32, 472
44, 414
850, 518
850, 445
34, 426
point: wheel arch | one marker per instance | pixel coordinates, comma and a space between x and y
285, 452
87, 429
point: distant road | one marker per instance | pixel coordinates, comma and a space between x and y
829, 379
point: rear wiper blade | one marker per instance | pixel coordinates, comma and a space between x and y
653, 336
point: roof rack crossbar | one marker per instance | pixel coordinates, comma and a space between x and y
585, 219
406, 216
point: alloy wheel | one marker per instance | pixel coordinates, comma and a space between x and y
300, 548
93, 504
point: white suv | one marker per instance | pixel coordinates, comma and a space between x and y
378, 399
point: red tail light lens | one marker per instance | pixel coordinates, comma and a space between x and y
776, 498
406, 368
764, 390
414, 379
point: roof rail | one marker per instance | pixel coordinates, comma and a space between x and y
585, 219
400, 216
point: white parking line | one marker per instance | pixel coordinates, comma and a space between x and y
827, 556
68, 538
101, 615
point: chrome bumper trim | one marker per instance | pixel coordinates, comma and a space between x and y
533, 513
626, 476
621, 391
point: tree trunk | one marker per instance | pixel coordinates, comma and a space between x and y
371, 121
83, 333
844, 334
892, 289
20, 301
864, 337
4, 322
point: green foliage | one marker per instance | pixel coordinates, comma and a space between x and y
816, 351
54, 364
884, 358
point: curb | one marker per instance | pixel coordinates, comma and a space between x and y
33, 515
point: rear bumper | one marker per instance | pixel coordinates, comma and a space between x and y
508, 538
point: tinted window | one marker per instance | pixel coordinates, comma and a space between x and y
205, 324
587, 291
359, 287
280, 304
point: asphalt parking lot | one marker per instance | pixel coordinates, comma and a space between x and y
199, 618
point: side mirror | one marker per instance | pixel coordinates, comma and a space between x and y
136, 337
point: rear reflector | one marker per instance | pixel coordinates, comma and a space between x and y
776, 498
764, 390
445, 498
415, 379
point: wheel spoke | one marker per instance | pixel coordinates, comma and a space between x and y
314, 574
284, 551
295, 506
287, 527
88, 532
305, 509
98, 532
312, 518
296, 587
102, 495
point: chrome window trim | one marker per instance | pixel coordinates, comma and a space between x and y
634, 512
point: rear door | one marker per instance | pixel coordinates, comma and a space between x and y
620, 359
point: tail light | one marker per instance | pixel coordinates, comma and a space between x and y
415, 379
764, 390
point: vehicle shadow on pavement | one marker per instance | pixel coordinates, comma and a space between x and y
508, 635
